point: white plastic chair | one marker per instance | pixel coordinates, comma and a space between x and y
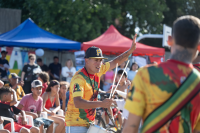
45, 115
28, 118
17, 103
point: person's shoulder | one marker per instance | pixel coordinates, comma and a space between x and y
20, 87
146, 70
64, 67
40, 99
45, 94
74, 68
79, 76
7, 85
27, 96
26, 65
51, 64
106, 64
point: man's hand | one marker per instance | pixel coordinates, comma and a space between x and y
133, 46
21, 83
106, 103
128, 83
124, 56
1, 84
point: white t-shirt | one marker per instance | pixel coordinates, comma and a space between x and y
131, 75
66, 75
120, 105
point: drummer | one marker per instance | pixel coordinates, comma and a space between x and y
84, 89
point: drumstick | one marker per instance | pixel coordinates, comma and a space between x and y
119, 79
114, 80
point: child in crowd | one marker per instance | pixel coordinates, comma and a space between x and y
16, 85
8, 110
44, 78
32, 105
64, 86
123, 86
50, 97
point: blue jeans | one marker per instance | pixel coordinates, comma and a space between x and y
76, 129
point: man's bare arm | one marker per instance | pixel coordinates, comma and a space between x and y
84, 104
123, 57
132, 124
14, 101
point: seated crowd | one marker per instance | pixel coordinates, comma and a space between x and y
45, 98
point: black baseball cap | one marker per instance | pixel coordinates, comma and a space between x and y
94, 52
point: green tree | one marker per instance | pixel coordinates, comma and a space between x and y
145, 15
84, 20
15, 4
77, 20
177, 8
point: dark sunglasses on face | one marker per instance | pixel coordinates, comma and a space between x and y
31, 58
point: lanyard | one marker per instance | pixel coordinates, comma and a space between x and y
91, 82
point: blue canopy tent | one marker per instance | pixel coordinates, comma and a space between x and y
28, 34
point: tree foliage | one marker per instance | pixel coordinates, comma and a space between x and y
84, 20
177, 8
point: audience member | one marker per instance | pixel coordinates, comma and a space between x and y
49, 98
8, 110
32, 105
42, 66
68, 70
44, 78
29, 73
16, 85
122, 67
4, 65
64, 86
108, 80
55, 69
133, 71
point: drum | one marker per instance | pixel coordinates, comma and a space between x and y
96, 129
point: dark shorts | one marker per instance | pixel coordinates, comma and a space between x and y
17, 126
39, 121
